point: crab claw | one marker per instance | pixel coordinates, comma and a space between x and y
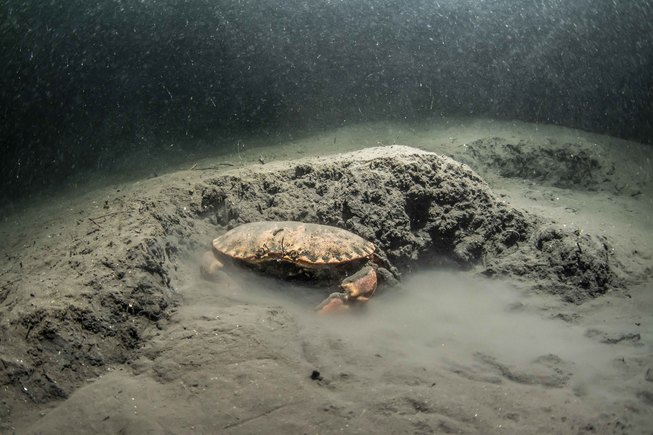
357, 289
361, 285
336, 303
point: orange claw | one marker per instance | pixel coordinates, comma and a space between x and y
357, 289
333, 305
361, 285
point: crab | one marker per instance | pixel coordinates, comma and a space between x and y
320, 253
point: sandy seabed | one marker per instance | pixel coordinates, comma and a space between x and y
543, 325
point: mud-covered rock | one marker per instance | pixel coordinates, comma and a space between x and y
416, 208
562, 261
566, 165
87, 298
420, 209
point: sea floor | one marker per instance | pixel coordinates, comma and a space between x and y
453, 352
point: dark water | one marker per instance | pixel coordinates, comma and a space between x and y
84, 82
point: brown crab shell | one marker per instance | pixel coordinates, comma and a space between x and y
304, 244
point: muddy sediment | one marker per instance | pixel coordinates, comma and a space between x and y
88, 292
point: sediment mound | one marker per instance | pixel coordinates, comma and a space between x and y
87, 297
420, 209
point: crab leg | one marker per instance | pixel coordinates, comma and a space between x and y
210, 266
211, 269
